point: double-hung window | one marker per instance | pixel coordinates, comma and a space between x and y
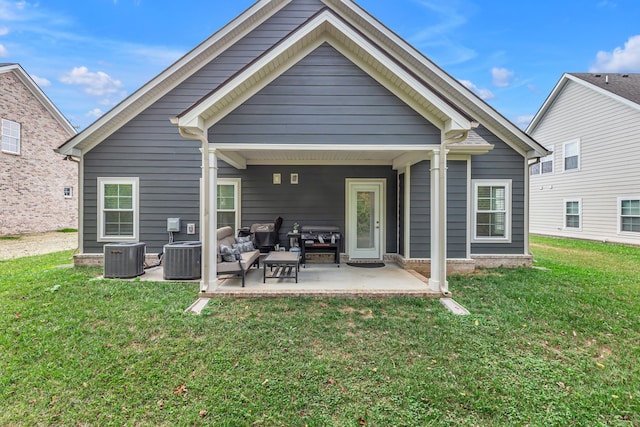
228, 199
10, 137
573, 214
492, 210
118, 209
571, 155
629, 214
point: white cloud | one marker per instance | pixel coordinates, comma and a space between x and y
4, 31
501, 76
96, 112
621, 59
95, 84
3, 51
40, 81
482, 93
523, 121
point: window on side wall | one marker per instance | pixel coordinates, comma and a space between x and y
544, 166
492, 211
573, 214
118, 210
10, 137
629, 214
228, 199
571, 155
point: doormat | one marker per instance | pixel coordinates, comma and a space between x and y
366, 264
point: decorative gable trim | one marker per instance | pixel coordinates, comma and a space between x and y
324, 27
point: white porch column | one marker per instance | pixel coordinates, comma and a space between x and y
438, 219
209, 218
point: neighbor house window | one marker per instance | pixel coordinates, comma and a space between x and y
573, 214
571, 155
492, 210
228, 199
10, 137
629, 214
68, 192
543, 167
118, 209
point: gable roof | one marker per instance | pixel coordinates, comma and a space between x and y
623, 88
39, 94
356, 26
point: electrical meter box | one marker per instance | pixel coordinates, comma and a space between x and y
173, 225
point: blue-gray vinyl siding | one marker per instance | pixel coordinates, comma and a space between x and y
420, 207
324, 99
503, 163
420, 211
149, 146
318, 198
457, 209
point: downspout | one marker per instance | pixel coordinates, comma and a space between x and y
78, 161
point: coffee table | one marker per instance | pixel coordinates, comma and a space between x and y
282, 265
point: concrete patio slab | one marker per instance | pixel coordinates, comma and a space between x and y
321, 280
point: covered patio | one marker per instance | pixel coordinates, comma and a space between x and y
320, 280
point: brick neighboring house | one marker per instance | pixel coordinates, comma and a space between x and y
37, 187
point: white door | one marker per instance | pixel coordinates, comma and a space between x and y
365, 218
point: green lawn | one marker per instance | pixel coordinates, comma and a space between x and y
541, 347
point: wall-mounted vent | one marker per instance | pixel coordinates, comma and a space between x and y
123, 260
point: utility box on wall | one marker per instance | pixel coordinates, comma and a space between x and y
124, 260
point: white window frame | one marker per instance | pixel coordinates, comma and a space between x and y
540, 165
620, 231
64, 191
564, 155
507, 184
237, 184
135, 182
11, 136
564, 215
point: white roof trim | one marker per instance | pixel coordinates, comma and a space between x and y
566, 77
40, 95
473, 105
173, 76
324, 27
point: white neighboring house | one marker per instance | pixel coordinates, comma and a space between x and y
589, 187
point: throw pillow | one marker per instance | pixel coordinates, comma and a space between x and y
229, 254
244, 247
243, 239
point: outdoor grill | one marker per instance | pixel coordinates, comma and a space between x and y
320, 239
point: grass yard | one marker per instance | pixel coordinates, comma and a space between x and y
541, 347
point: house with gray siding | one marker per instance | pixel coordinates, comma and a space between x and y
305, 109
589, 187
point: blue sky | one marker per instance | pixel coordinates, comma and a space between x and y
88, 55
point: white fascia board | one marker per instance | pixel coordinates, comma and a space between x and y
322, 147
605, 92
319, 30
171, 77
547, 103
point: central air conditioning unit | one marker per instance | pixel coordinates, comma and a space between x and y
124, 260
182, 261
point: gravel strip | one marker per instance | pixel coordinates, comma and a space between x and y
36, 244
